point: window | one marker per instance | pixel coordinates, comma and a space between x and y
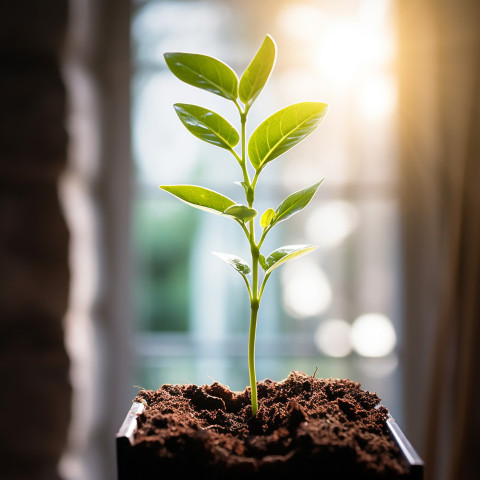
336, 309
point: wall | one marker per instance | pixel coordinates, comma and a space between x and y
34, 275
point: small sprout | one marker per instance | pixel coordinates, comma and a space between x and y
241, 212
273, 137
267, 218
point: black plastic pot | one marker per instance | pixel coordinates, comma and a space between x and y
126, 471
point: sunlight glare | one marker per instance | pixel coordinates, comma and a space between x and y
351, 46
377, 97
347, 48
373, 335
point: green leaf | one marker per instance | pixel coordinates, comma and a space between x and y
295, 202
262, 261
207, 125
204, 72
240, 212
200, 197
285, 254
256, 74
283, 130
237, 263
267, 218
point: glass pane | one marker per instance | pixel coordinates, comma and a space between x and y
162, 258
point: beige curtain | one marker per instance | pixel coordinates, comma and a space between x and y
439, 125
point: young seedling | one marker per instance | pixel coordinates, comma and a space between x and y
274, 136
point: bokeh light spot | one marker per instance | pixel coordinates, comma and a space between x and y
331, 223
307, 291
373, 335
332, 337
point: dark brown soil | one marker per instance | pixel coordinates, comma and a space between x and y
308, 427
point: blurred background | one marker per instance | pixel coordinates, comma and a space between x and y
107, 282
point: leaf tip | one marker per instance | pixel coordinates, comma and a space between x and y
270, 39
167, 56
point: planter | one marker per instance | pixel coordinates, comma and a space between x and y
305, 427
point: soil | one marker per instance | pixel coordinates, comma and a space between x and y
308, 427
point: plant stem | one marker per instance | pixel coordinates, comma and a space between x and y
243, 162
251, 356
254, 305
265, 278
253, 291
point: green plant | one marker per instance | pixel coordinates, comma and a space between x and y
274, 136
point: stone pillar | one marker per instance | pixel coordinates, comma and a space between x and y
34, 276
